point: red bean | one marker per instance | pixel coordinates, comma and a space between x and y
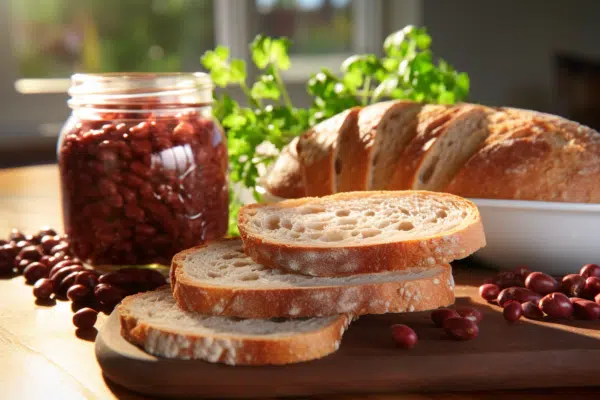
590, 270
62, 273
522, 272
459, 328
508, 279
442, 314
556, 305
404, 336
531, 310
592, 286
31, 253
67, 282
85, 318
489, 291
78, 293
585, 309
48, 242
46, 259
43, 289
541, 283
10, 250
470, 313
87, 278
512, 311
16, 235
60, 248
61, 264
35, 271
573, 285
519, 294
108, 295
21, 264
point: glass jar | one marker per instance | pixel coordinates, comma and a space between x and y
143, 167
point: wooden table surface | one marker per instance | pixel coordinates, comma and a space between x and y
40, 354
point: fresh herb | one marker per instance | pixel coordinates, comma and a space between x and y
256, 132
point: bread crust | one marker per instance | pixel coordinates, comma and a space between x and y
420, 294
317, 150
360, 258
232, 349
285, 178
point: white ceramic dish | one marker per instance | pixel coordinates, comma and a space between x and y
556, 238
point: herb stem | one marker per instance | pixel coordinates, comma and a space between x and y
286, 97
255, 102
366, 91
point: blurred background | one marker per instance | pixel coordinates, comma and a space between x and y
538, 54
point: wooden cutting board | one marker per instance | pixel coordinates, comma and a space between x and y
525, 354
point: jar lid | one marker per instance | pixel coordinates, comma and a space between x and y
119, 88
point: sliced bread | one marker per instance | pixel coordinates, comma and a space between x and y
219, 279
153, 321
317, 150
361, 232
285, 177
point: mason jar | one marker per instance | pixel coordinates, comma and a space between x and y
143, 167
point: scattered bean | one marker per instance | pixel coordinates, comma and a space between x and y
43, 289
512, 311
35, 271
573, 285
78, 293
531, 310
556, 305
459, 328
541, 283
519, 294
489, 291
585, 309
470, 313
590, 270
404, 336
108, 294
592, 286
442, 314
85, 318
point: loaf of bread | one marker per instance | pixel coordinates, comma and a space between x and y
466, 149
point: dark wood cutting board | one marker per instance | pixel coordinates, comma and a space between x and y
525, 354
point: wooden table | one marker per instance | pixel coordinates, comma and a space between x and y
40, 354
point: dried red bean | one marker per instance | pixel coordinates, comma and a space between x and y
46, 259
67, 282
522, 271
61, 264
556, 305
404, 336
61, 247
512, 311
442, 314
6, 264
519, 294
35, 271
16, 235
590, 270
531, 310
592, 286
21, 264
470, 313
489, 291
87, 278
108, 294
541, 283
585, 309
459, 328
79, 293
573, 285
48, 242
10, 250
508, 279
31, 253
85, 318
43, 289
62, 273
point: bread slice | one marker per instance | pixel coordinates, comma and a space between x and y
153, 321
219, 279
356, 149
317, 149
361, 232
285, 177
438, 151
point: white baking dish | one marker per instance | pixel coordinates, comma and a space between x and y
556, 238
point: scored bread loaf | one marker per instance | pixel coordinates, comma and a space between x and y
287, 181
358, 150
219, 279
446, 151
153, 321
317, 149
361, 232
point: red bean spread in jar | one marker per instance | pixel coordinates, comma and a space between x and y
143, 167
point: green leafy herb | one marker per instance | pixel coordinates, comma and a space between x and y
408, 70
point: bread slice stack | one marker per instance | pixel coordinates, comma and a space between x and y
302, 270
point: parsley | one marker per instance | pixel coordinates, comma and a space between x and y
406, 71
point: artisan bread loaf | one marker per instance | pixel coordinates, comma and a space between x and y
361, 232
548, 158
285, 178
153, 321
357, 150
219, 279
317, 149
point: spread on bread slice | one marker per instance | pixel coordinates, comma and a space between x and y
153, 321
361, 232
